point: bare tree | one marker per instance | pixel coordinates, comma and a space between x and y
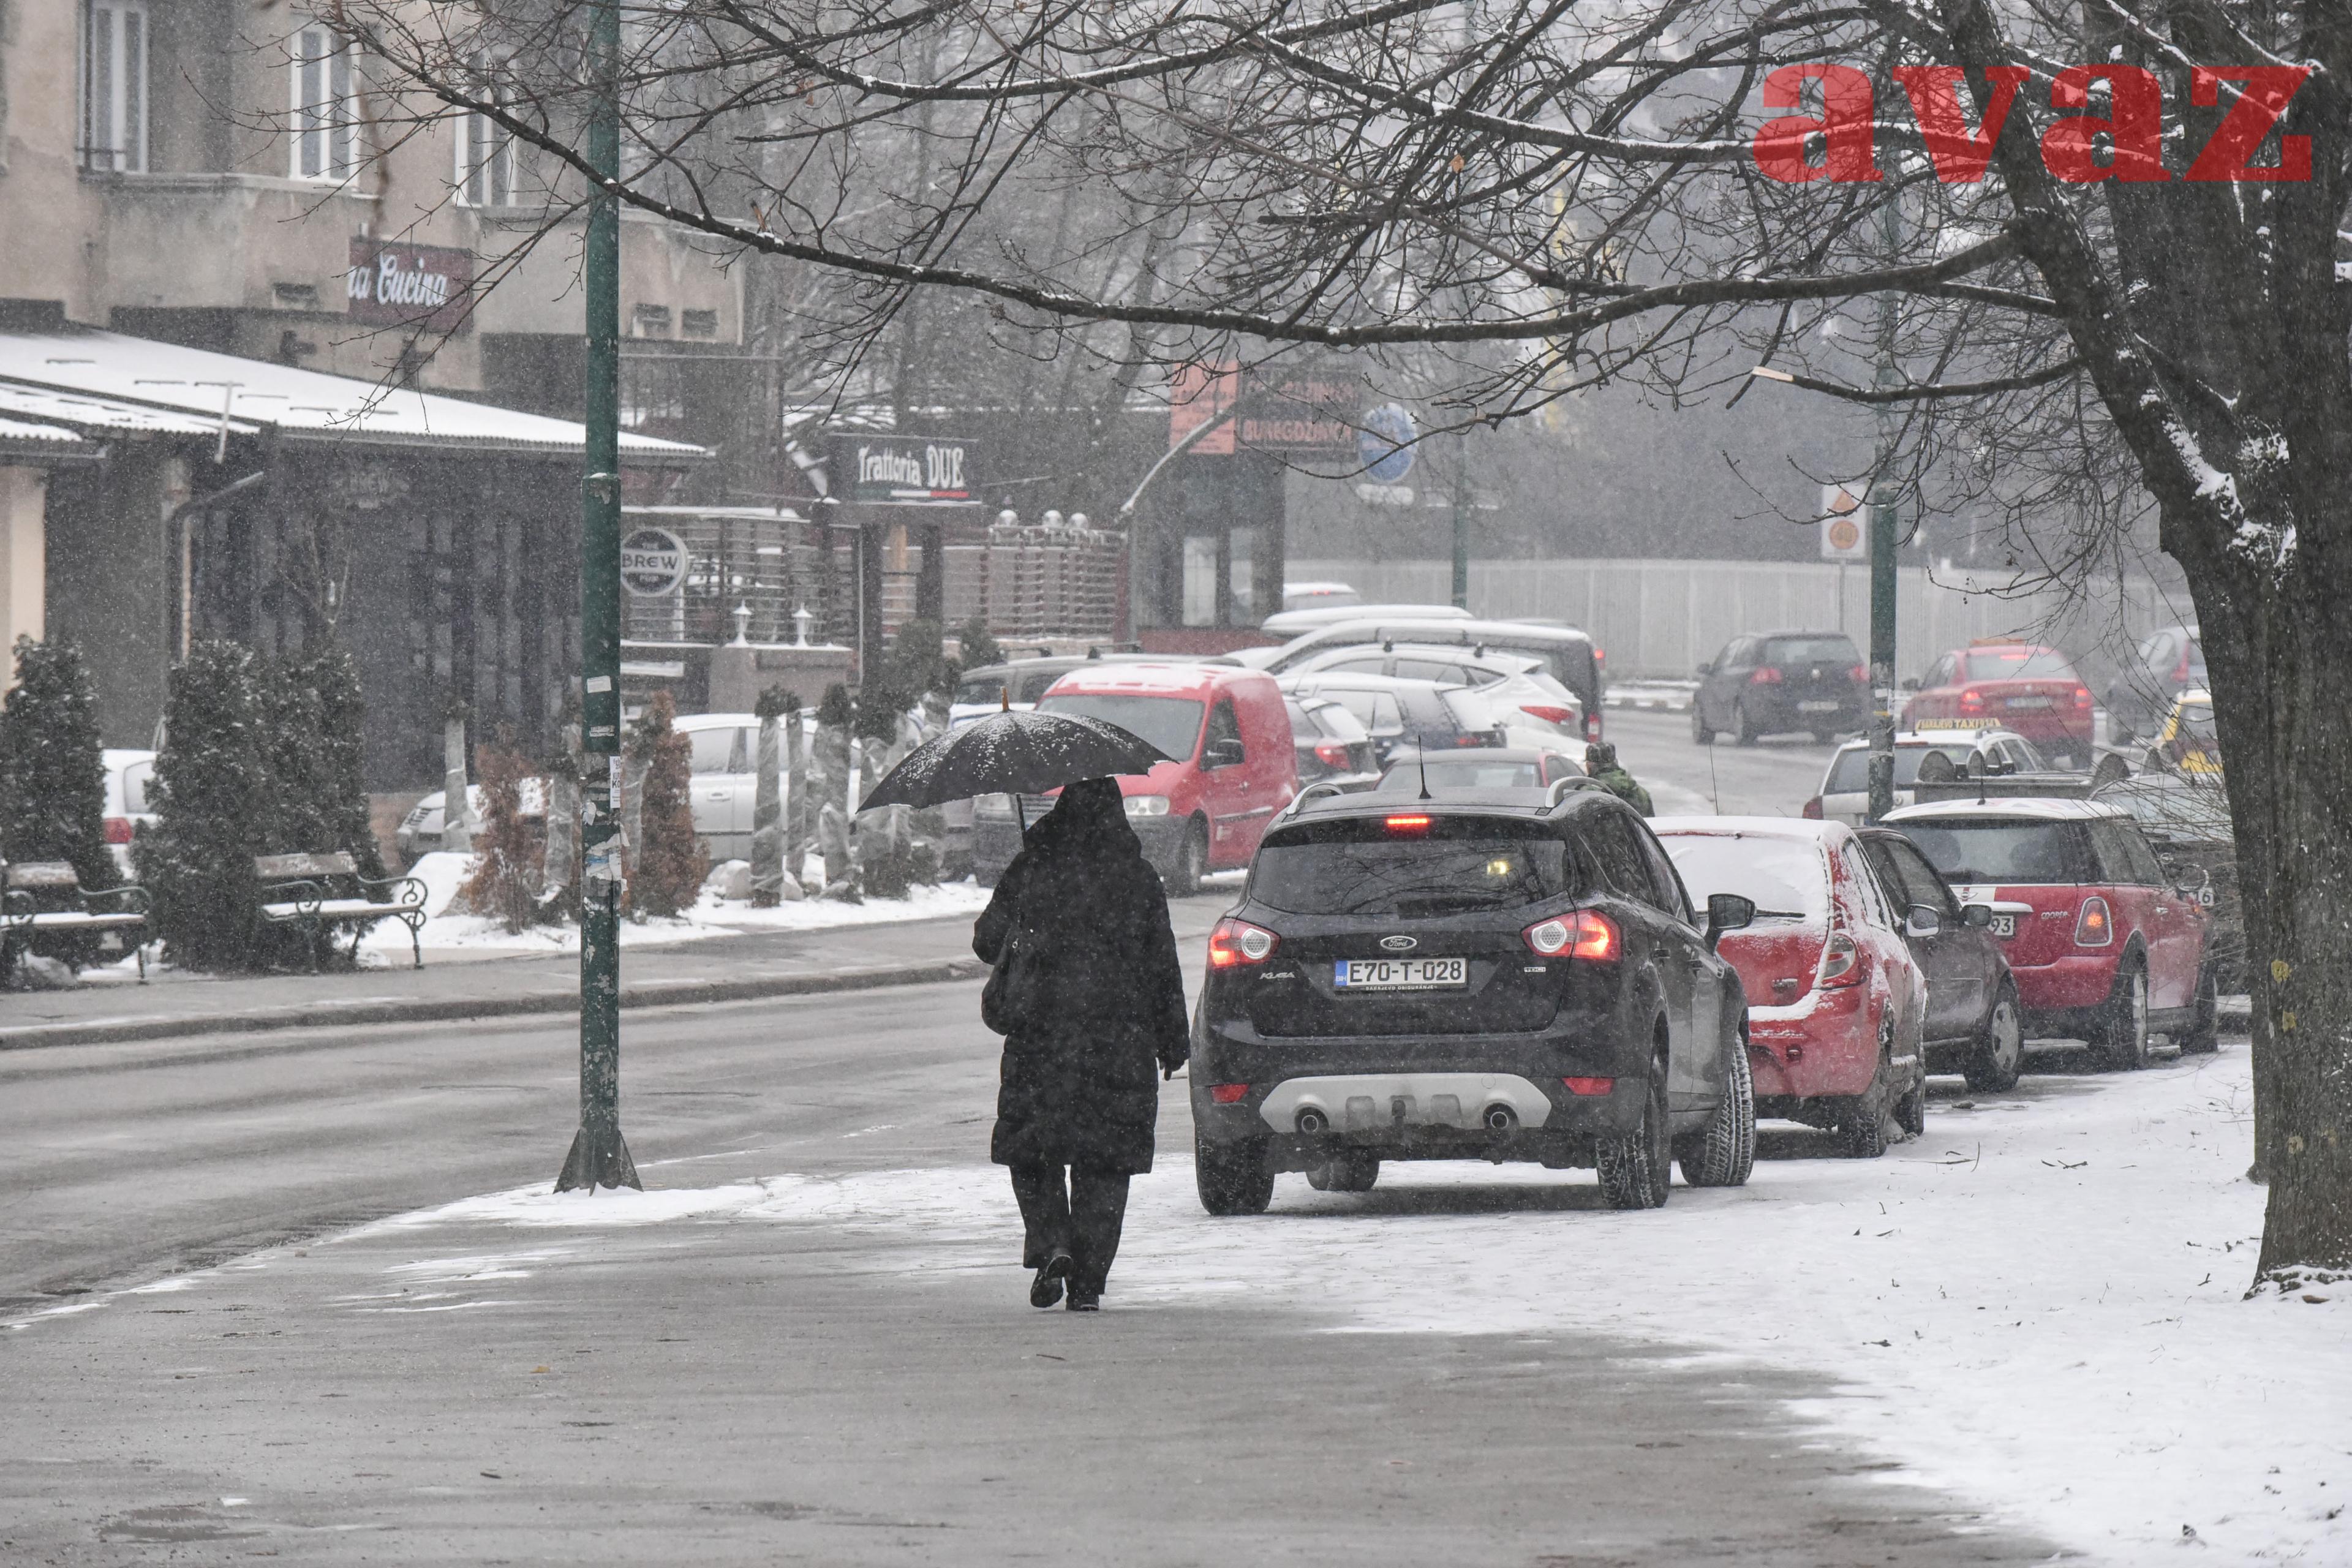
1548, 195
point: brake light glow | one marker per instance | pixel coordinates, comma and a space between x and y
2081, 697
2094, 926
1860, 674
1408, 824
1228, 1093
1765, 677
1841, 962
1238, 942
1332, 753
118, 830
1971, 700
1590, 1084
1586, 933
1813, 810
1548, 714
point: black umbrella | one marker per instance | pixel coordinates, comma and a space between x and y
1016, 754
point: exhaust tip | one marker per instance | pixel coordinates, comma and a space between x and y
1312, 1122
1500, 1119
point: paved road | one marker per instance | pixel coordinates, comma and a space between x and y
1773, 778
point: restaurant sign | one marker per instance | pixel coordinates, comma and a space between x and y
1297, 413
903, 470
394, 284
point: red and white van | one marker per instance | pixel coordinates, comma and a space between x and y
1235, 765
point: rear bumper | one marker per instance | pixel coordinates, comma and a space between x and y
2069, 984
1826, 1044
1776, 711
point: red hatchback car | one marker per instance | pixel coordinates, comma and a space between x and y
2103, 945
1835, 1001
2010, 686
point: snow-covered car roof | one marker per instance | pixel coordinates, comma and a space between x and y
1174, 677
1797, 827
1970, 733
2020, 808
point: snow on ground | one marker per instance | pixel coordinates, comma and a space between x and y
443, 873
2040, 1305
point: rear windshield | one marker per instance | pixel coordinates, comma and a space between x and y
1996, 850
1452, 774
1458, 865
1838, 651
1788, 878
984, 689
2019, 664
1850, 775
1171, 723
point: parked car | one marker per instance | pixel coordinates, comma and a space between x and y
2187, 742
1512, 692
420, 832
1836, 1004
1318, 596
1395, 711
1499, 767
2167, 663
128, 775
1235, 765
2022, 687
1844, 794
1773, 682
1481, 978
1332, 747
1974, 1024
1297, 618
2186, 820
1018, 683
2104, 944
1568, 655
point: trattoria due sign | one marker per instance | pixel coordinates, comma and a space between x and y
869, 470
394, 284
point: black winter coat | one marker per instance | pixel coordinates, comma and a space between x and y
1102, 1004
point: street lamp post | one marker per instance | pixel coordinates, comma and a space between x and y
1461, 519
599, 1156
1881, 543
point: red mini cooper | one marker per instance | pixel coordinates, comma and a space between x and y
2104, 946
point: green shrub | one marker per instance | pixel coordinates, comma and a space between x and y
52, 771
979, 646
213, 797
671, 863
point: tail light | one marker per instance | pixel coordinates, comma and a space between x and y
1549, 715
2095, 925
1228, 1093
118, 830
1841, 962
1860, 674
1812, 812
1765, 677
1590, 1084
1587, 933
2081, 697
1333, 754
1415, 823
1971, 700
1238, 942
1592, 725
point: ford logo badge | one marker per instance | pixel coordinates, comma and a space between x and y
1399, 944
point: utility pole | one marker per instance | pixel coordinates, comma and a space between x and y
1461, 519
1881, 537
599, 1156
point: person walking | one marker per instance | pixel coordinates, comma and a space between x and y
1089, 997
1602, 766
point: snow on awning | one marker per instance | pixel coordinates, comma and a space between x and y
21, 438
94, 416
196, 387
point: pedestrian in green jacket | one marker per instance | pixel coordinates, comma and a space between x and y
1602, 766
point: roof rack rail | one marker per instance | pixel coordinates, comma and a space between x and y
1313, 792
1562, 788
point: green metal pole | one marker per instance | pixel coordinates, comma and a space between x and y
1461, 519
1882, 545
599, 1156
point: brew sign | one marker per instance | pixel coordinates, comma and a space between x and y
904, 471
653, 563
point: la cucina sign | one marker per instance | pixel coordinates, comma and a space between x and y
391, 283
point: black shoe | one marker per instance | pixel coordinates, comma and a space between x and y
1046, 1289
1086, 1300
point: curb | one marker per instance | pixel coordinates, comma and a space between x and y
431, 1010
1658, 702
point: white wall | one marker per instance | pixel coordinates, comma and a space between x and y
24, 561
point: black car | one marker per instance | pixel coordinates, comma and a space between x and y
1332, 746
1485, 977
1974, 1026
2186, 819
1395, 711
1774, 682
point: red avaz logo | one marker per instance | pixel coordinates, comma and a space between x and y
2132, 126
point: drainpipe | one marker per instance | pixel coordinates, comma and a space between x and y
176, 528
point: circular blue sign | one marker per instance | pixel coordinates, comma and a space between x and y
1385, 443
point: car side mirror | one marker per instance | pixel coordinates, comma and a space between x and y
1728, 911
1977, 915
1222, 753
1706, 668
1926, 919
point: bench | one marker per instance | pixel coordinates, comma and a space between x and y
46, 898
315, 893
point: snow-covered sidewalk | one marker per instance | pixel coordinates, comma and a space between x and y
2041, 1305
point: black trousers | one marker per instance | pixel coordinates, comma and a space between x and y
1081, 1218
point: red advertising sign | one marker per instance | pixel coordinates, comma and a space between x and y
1301, 413
394, 284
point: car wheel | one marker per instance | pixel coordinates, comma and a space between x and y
1700, 734
1191, 862
1999, 1058
1911, 1111
1233, 1179
1347, 1171
1743, 728
1724, 1155
2122, 1028
1861, 1123
2204, 1032
1637, 1168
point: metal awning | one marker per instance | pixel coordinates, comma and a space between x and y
184, 391
22, 437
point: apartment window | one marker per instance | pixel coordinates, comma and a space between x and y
114, 86
486, 149
326, 107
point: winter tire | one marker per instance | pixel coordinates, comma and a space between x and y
1743, 728
1637, 1168
1724, 1155
1233, 1179
1999, 1058
1191, 862
2122, 1028
1347, 1171
1700, 734
1862, 1119
2204, 1031
1911, 1111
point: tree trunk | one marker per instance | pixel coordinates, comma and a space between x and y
456, 806
767, 817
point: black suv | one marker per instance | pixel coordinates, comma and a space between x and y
1485, 977
1779, 681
